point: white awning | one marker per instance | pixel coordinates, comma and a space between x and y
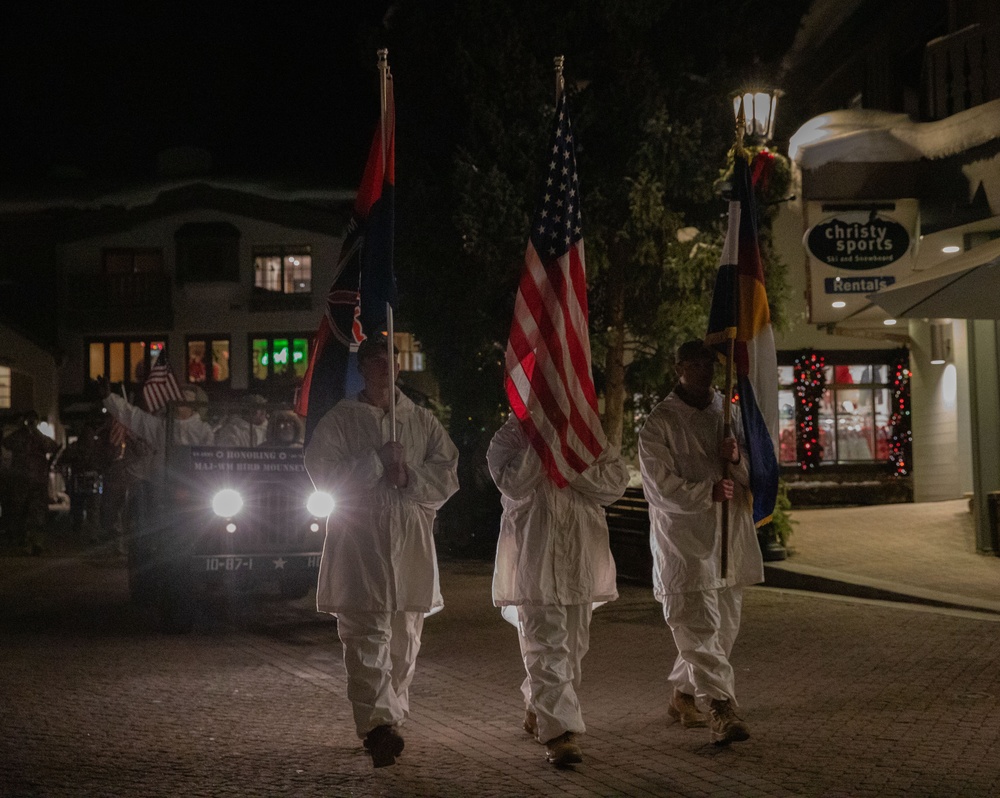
964, 287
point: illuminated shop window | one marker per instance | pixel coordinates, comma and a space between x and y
852, 423
411, 358
278, 359
4, 388
208, 359
125, 361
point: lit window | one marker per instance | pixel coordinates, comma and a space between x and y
283, 270
208, 359
4, 388
279, 359
125, 361
410, 356
854, 419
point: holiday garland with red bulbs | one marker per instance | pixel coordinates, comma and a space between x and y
901, 445
810, 382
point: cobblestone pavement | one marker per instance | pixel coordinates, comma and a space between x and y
845, 698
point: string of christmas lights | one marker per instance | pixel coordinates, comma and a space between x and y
901, 445
810, 382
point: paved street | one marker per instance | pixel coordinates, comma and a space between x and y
845, 698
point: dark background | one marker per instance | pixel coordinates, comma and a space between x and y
98, 89
94, 90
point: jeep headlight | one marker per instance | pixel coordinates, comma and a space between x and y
227, 503
320, 504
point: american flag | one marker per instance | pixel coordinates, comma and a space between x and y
160, 386
549, 382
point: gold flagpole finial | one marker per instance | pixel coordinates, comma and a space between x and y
558, 62
741, 128
384, 77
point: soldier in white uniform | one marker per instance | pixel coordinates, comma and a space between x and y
681, 453
553, 564
379, 572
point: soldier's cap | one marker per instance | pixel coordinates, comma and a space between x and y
374, 346
694, 350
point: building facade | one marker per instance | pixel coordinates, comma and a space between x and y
895, 146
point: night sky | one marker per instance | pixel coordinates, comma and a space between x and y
271, 89
96, 90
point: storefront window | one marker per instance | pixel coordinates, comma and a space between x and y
279, 360
125, 361
4, 388
853, 419
208, 360
786, 416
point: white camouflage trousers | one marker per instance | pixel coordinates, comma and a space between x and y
380, 656
704, 624
554, 640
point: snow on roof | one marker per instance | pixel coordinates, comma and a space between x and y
863, 136
147, 194
822, 20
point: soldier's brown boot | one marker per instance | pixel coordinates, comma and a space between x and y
563, 750
727, 727
384, 744
530, 724
683, 708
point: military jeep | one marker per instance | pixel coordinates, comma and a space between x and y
228, 518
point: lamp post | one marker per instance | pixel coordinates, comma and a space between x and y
757, 110
755, 114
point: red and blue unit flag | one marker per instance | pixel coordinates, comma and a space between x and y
365, 282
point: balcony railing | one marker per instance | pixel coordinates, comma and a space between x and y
961, 70
118, 301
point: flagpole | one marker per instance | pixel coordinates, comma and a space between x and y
384, 77
727, 432
558, 62
383, 83
727, 410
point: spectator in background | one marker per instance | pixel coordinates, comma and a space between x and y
88, 458
285, 429
31, 453
148, 433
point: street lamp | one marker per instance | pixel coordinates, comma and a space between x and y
758, 113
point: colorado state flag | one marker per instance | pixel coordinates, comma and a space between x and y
740, 312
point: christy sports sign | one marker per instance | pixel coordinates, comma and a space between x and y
854, 250
858, 245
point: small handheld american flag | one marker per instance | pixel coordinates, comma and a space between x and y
160, 386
